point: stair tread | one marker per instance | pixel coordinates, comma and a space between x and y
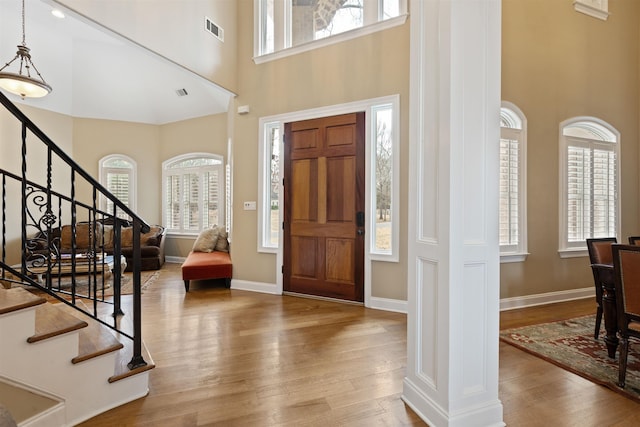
94, 340
15, 299
124, 357
51, 322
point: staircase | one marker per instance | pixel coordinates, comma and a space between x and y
76, 365
82, 355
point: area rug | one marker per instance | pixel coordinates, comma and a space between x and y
570, 345
83, 280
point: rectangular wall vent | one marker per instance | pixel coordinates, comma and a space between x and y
182, 92
214, 29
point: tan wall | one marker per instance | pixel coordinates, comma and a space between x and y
205, 134
367, 67
558, 64
93, 139
175, 30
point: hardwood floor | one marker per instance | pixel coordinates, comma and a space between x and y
235, 358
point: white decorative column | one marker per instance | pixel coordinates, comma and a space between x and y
453, 310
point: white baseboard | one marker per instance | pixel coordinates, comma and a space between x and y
388, 304
400, 306
546, 298
174, 259
245, 285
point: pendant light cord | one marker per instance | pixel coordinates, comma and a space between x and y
23, 32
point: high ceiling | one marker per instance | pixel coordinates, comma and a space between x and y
96, 73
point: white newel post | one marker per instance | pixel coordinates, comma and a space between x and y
453, 307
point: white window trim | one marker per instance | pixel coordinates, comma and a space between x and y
333, 110
564, 249
521, 252
393, 254
595, 8
222, 190
264, 176
103, 171
316, 44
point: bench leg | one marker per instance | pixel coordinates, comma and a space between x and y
227, 282
186, 286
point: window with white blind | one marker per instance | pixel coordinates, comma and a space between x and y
193, 192
118, 175
589, 154
513, 198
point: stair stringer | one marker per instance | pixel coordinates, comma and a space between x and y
46, 365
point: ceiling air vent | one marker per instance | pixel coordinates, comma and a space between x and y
182, 92
214, 29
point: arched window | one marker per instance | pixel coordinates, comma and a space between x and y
590, 206
118, 175
513, 197
193, 192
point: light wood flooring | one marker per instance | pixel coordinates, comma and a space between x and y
236, 358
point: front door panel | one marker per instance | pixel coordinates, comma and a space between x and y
324, 191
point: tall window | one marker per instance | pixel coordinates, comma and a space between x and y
118, 175
382, 165
513, 197
271, 225
295, 23
589, 153
384, 161
193, 192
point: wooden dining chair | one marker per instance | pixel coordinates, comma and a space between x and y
626, 267
601, 258
634, 240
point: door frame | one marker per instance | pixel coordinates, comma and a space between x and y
333, 110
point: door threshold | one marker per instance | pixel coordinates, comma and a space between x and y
343, 301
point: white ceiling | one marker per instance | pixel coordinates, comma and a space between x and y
96, 73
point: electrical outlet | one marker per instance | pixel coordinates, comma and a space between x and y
249, 206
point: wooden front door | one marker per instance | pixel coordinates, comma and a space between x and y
324, 207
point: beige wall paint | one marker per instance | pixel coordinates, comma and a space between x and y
175, 30
93, 139
367, 67
204, 134
558, 64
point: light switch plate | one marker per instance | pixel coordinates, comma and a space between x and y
249, 206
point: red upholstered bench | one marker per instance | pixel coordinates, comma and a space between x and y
207, 265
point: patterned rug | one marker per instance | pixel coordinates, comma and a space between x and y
570, 345
83, 280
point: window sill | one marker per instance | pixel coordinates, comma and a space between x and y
267, 250
376, 256
338, 38
513, 257
573, 253
178, 235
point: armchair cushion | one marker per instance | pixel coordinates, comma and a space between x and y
84, 237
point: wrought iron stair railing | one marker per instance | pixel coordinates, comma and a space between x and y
50, 194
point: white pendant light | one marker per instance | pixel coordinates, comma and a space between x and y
21, 83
